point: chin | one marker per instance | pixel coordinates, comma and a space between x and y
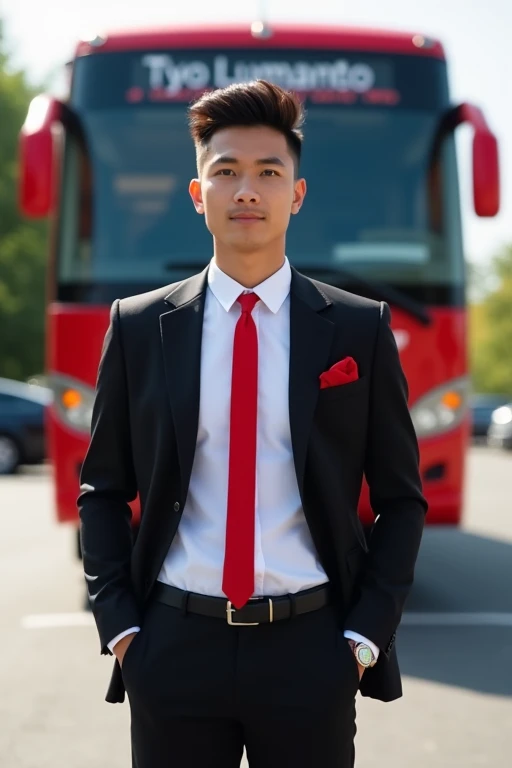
246, 243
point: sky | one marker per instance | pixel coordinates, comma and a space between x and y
41, 35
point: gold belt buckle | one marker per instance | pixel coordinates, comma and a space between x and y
230, 611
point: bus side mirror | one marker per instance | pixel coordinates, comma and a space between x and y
486, 174
486, 179
37, 157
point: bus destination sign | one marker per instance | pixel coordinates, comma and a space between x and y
164, 77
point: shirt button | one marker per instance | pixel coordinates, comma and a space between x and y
176, 506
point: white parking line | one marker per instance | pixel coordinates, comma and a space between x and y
412, 619
51, 620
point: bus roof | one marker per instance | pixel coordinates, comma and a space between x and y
257, 35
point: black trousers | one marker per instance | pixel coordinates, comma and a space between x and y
200, 690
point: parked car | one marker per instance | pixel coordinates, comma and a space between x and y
482, 408
22, 438
499, 434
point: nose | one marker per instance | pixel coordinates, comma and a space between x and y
246, 195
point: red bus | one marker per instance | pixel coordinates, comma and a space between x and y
111, 166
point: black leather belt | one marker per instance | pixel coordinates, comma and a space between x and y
261, 610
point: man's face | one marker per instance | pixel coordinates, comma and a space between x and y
247, 188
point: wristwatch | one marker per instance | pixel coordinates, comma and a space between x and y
363, 653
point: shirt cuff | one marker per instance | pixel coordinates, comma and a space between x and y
119, 637
360, 639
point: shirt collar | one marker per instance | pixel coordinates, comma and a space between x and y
272, 291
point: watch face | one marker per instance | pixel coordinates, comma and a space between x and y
364, 655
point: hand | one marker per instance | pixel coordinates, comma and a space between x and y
122, 646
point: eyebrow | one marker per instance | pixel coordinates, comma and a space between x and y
228, 160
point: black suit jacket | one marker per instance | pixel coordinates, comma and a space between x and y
144, 428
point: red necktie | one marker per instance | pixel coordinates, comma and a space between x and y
238, 577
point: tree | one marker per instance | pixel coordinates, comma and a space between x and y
491, 331
22, 243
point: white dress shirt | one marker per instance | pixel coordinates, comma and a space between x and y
286, 560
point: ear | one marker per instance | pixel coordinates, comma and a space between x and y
299, 193
196, 194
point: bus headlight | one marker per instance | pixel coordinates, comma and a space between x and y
73, 402
441, 409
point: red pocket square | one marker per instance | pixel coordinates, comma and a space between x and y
340, 373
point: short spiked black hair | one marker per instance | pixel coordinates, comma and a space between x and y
247, 104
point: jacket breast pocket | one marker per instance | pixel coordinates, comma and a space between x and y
344, 391
341, 419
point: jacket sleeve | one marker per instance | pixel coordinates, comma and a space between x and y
107, 485
393, 476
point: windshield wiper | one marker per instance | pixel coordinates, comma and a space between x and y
374, 289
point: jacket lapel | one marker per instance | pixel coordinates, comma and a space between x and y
311, 337
181, 333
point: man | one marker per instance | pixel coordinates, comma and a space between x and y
243, 406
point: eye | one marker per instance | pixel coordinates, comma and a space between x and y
271, 170
224, 171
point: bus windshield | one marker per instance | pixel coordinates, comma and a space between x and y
379, 204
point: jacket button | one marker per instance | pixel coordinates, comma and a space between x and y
176, 506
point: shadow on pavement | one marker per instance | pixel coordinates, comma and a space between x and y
458, 574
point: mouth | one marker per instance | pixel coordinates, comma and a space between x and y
247, 217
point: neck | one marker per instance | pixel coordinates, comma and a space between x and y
249, 269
